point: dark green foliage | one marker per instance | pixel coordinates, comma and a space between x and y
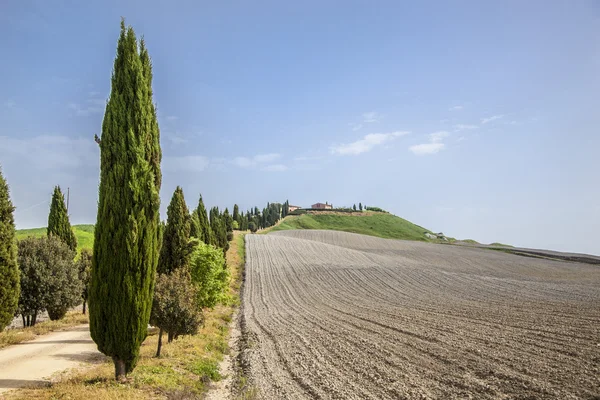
9, 271
210, 274
126, 245
228, 221
49, 278
218, 229
377, 209
360, 207
176, 249
58, 220
252, 226
204, 232
236, 214
84, 266
354, 207
194, 225
175, 305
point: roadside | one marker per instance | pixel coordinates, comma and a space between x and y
187, 369
33, 363
19, 335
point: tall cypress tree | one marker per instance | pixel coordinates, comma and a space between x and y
205, 233
58, 220
236, 214
176, 250
9, 271
194, 225
126, 245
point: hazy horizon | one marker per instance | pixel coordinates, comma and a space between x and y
479, 120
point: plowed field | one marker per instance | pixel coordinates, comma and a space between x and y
343, 316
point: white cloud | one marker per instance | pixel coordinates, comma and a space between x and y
247, 162
185, 163
84, 111
434, 146
455, 108
490, 119
171, 118
49, 151
357, 127
275, 167
437, 137
176, 139
464, 127
367, 143
261, 158
371, 116
427, 148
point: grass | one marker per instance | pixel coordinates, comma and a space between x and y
382, 225
184, 370
14, 336
500, 244
84, 234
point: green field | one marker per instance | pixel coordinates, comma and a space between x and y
382, 225
84, 234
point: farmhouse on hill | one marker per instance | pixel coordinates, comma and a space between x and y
322, 206
293, 208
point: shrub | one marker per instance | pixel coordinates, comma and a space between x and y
84, 267
175, 305
49, 278
209, 274
252, 226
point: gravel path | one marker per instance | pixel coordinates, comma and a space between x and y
335, 315
33, 363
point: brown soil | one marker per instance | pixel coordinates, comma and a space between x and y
336, 315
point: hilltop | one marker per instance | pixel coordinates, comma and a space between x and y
84, 234
379, 224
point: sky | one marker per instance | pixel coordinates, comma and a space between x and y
476, 119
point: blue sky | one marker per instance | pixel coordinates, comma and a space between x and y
478, 119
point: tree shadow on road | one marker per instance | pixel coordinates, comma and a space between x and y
90, 357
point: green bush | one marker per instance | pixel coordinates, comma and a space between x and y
49, 278
210, 275
174, 307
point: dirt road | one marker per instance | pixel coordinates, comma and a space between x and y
333, 315
33, 363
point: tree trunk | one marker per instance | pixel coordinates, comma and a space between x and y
34, 319
23, 316
170, 337
28, 320
159, 342
84, 302
119, 369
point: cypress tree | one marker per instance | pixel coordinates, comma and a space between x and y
58, 220
194, 225
236, 213
10, 287
126, 237
175, 251
203, 223
228, 221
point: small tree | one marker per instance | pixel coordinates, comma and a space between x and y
175, 307
49, 278
360, 207
175, 250
209, 274
252, 226
354, 207
84, 266
9, 271
58, 220
236, 214
205, 234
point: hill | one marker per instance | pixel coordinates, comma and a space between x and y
383, 225
84, 234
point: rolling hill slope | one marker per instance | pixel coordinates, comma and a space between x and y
84, 234
382, 225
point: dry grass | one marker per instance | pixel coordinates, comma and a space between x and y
14, 336
184, 370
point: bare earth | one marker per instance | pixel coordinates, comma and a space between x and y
335, 315
33, 363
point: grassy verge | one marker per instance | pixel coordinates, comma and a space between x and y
14, 336
84, 234
184, 370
